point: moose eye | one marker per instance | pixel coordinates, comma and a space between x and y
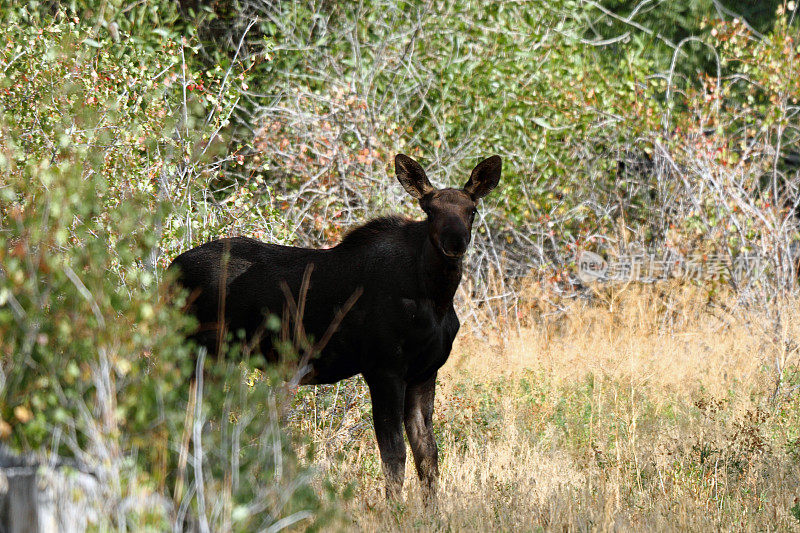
473, 213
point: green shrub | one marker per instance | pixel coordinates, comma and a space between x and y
108, 155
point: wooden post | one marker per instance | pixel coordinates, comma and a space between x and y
41, 499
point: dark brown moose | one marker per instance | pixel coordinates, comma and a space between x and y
397, 333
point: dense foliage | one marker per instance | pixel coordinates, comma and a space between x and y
599, 110
109, 153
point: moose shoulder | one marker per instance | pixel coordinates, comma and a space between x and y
394, 277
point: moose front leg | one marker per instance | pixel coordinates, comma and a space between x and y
387, 413
418, 414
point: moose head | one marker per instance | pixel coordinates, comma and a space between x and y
450, 211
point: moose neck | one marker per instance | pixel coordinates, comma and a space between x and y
440, 276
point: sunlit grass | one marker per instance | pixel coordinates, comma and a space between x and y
656, 412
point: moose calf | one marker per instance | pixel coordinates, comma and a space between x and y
397, 333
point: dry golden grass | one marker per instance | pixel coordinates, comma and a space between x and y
644, 409
667, 339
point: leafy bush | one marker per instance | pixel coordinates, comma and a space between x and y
593, 133
108, 153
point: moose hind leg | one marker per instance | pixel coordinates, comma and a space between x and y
387, 412
418, 414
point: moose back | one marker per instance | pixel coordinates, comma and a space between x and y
382, 300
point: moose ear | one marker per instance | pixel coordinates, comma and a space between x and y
411, 176
484, 177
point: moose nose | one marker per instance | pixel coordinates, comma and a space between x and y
454, 245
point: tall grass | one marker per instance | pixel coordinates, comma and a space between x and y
648, 408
